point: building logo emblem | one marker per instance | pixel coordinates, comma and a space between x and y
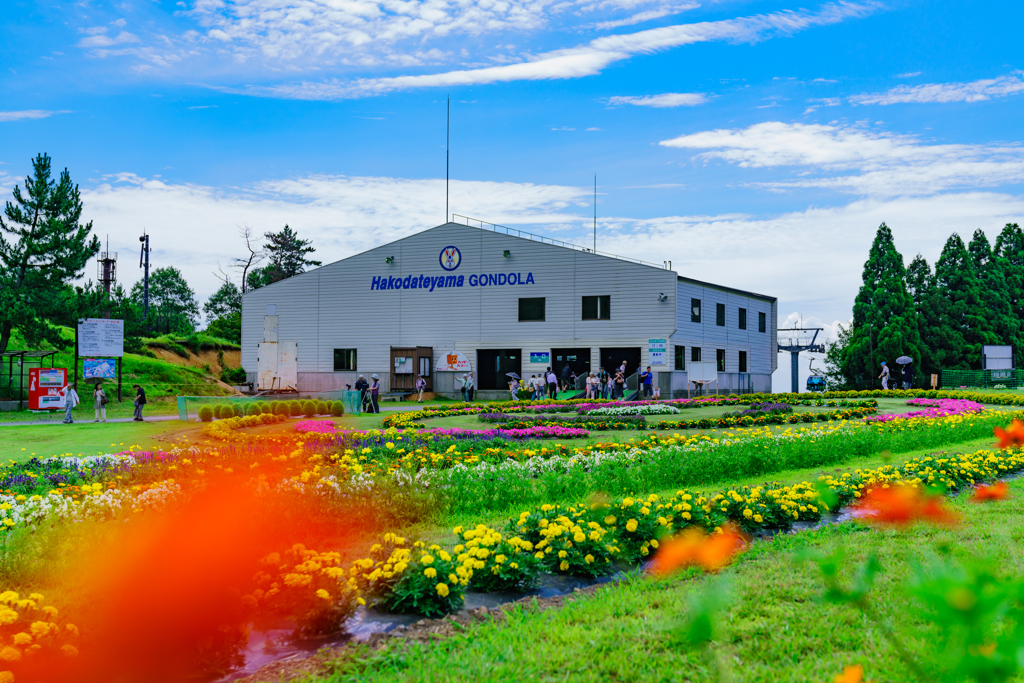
450, 258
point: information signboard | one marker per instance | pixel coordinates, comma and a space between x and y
100, 368
453, 361
101, 337
540, 357
657, 351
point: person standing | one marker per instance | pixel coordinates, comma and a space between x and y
538, 388
566, 372
99, 403
375, 394
603, 380
140, 400
647, 380
421, 384
591, 385
620, 384
362, 386
70, 401
469, 388
908, 375
552, 384
884, 376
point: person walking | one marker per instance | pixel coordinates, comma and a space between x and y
70, 401
375, 394
602, 383
99, 403
140, 400
884, 376
647, 381
538, 388
908, 375
552, 384
513, 389
566, 372
470, 385
591, 385
421, 384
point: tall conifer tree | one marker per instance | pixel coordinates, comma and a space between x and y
963, 318
1010, 248
885, 322
928, 304
1000, 325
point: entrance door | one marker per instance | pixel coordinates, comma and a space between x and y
578, 361
611, 359
407, 363
493, 364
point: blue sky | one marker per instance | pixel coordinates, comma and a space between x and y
755, 144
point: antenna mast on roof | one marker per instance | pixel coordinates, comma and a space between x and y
595, 213
447, 147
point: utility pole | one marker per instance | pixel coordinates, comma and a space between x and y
447, 152
144, 263
595, 213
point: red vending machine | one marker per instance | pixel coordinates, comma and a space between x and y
44, 388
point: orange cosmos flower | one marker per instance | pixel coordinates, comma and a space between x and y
902, 505
997, 491
851, 674
693, 547
1011, 436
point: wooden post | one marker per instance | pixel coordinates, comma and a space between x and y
76, 354
120, 362
935, 382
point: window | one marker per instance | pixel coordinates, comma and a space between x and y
720, 315
694, 310
743, 361
344, 359
597, 308
531, 309
720, 357
743, 318
695, 354
680, 358
762, 322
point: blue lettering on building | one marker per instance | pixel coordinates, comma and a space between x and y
432, 282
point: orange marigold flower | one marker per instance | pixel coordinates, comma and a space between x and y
1011, 436
903, 505
997, 491
851, 674
693, 547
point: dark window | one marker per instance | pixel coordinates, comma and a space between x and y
762, 322
743, 361
344, 359
720, 357
680, 358
597, 308
720, 315
695, 354
694, 310
743, 318
531, 309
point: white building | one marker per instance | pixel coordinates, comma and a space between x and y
504, 303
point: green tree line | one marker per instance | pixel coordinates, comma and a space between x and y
940, 318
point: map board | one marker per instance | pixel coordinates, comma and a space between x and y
101, 337
100, 368
702, 371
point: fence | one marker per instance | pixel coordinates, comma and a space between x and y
1011, 379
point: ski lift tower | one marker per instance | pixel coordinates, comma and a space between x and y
796, 340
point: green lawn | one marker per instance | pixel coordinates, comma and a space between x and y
776, 629
88, 438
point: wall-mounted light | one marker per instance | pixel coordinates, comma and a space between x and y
389, 259
506, 253
663, 297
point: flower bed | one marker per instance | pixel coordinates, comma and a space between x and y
316, 427
762, 409
643, 409
517, 433
766, 419
599, 423
934, 407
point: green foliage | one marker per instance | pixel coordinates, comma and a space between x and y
281, 408
322, 408
288, 257
228, 327
43, 247
1010, 248
177, 348
172, 303
337, 408
226, 300
295, 408
206, 413
218, 411
233, 375
309, 408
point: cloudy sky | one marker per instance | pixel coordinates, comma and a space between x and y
755, 144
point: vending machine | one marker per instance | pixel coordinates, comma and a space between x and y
45, 388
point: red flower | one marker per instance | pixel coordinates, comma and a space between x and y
1011, 436
997, 491
693, 547
851, 674
902, 505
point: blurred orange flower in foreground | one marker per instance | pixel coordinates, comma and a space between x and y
902, 505
1011, 436
693, 548
851, 674
997, 491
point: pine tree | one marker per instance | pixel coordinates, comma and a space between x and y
287, 255
47, 248
1000, 325
928, 304
885, 322
964, 327
172, 303
227, 299
1010, 248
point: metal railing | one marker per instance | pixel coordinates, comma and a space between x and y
515, 232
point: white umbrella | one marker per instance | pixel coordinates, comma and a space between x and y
903, 360
513, 375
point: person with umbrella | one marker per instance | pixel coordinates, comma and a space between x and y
513, 386
908, 370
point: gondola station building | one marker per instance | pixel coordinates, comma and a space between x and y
459, 298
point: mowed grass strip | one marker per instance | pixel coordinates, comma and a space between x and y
776, 628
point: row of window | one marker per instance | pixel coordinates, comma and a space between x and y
695, 357
762, 319
594, 308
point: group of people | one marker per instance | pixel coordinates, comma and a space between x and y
601, 384
100, 401
369, 393
891, 380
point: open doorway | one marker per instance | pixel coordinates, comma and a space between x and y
611, 359
494, 364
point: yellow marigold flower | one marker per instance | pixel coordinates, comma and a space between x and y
758, 518
564, 566
400, 567
610, 519
513, 565
22, 638
427, 559
445, 557
39, 628
538, 555
69, 650
589, 559
6, 677
457, 531
360, 601
579, 537
10, 654
8, 597
631, 525
430, 572
322, 594
442, 590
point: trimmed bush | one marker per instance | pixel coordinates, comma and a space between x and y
309, 408
218, 411
295, 408
322, 408
281, 408
337, 408
266, 408
205, 413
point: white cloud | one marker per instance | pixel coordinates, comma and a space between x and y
584, 60
102, 40
874, 164
669, 99
29, 114
648, 15
975, 91
822, 102
909, 74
